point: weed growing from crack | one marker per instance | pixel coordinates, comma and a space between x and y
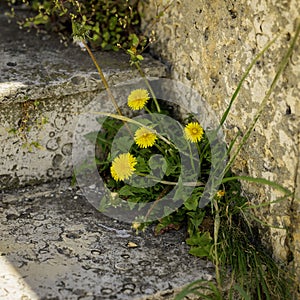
223, 231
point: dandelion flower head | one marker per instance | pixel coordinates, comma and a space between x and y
144, 138
138, 99
220, 193
123, 166
136, 225
193, 132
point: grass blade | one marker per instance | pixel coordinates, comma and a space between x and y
235, 94
242, 292
263, 104
262, 181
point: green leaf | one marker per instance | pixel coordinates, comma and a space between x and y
196, 217
112, 23
130, 52
201, 251
179, 191
199, 239
192, 202
172, 170
121, 145
106, 36
126, 191
142, 166
134, 40
201, 244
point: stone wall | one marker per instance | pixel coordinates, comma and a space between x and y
208, 44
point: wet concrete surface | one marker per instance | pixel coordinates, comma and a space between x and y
55, 245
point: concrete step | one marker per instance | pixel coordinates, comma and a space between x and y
55, 245
41, 79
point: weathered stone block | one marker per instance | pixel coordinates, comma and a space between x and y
209, 44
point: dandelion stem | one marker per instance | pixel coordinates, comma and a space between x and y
108, 90
102, 78
188, 183
148, 110
216, 235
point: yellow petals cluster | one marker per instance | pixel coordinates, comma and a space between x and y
193, 132
123, 166
220, 193
144, 138
138, 99
136, 225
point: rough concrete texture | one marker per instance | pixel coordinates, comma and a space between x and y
55, 245
42, 80
209, 44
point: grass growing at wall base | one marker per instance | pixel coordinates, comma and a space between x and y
237, 250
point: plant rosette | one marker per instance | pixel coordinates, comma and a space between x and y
157, 157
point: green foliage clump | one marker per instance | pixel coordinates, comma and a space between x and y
109, 24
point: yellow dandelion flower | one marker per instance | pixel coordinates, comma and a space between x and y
220, 193
123, 166
136, 225
193, 132
144, 137
138, 99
